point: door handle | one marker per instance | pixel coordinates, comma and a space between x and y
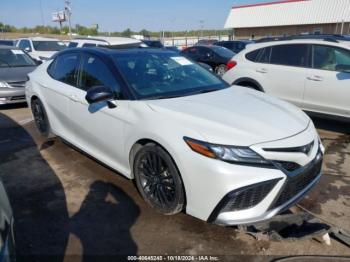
315, 78
261, 70
74, 98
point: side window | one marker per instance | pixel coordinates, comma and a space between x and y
330, 58
252, 56
72, 44
290, 55
24, 45
260, 56
265, 55
64, 69
89, 45
205, 52
94, 72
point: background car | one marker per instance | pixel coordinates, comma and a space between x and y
153, 43
312, 74
215, 56
234, 46
40, 48
208, 42
187, 138
7, 42
111, 42
14, 68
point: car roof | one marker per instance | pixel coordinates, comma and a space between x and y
254, 46
39, 38
111, 51
108, 40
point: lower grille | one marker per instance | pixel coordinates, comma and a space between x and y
248, 197
16, 98
296, 184
18, 84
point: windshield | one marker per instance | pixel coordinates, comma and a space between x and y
48, 45
14, 58
157, 75
222, 51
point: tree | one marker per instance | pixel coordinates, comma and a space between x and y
127, 33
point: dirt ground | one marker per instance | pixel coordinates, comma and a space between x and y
67, 205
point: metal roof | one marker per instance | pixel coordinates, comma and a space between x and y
289, 12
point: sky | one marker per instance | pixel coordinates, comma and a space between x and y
117, 15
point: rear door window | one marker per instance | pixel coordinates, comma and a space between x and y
290, 55
64, 68
260, 56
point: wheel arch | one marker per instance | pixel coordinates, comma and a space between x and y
247, 80
142, 142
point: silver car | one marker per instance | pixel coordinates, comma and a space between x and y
15, 65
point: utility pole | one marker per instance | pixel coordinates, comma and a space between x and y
68, 11
42, 13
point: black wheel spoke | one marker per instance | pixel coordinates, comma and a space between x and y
157, 182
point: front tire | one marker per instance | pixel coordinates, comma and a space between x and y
158, 180
40, 118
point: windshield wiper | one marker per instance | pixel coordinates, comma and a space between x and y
207, 91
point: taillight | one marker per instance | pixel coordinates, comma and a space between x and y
231, 64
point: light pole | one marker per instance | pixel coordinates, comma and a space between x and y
201, 22
42, 13
68, 10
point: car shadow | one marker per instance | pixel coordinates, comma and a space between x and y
331, 125
103, 223
36, 195
13, 106
42, 223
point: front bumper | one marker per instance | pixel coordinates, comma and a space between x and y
292, 191
211, 184
12, 96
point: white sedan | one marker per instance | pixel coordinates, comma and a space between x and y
225, 155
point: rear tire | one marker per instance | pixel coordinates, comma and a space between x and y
40, 117
158, 180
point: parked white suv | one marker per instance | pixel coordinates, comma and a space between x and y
105, 41
40, 48
312, 74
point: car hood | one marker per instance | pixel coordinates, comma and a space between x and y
15, 74
234, 116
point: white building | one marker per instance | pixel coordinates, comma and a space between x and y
290, 17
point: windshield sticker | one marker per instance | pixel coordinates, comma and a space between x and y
182, 60
17, 52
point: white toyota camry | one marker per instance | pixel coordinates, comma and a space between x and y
225, 155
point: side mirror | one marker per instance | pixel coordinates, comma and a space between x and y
343, 68
27, 49
38, 62
99, 94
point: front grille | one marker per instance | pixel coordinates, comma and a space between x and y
248, 197
288, 166
296, 184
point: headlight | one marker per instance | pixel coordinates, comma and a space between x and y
233, 154
4, 85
